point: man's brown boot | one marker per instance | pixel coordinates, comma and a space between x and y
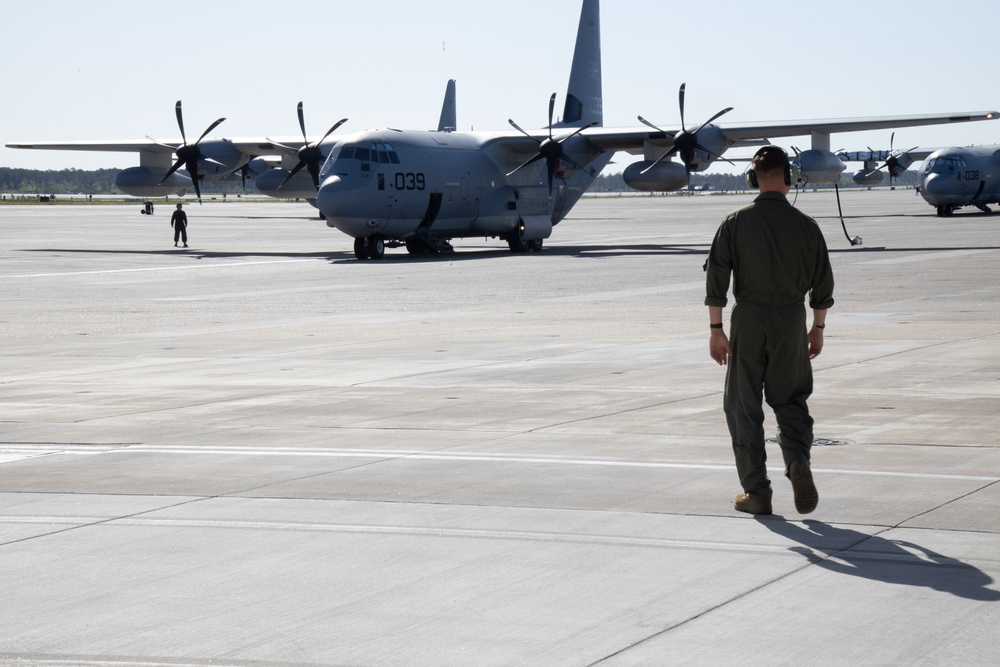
806, 496
751, 504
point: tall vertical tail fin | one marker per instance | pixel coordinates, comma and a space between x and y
584, 96
449, 115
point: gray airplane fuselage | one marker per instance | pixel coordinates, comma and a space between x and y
441, 185
954, 177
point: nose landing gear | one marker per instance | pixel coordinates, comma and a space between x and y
369, 247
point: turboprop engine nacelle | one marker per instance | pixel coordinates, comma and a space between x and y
663, 177
299, 187
818, 166
143, 182
867, 177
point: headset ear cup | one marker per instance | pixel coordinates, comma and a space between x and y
752, 179
788, 174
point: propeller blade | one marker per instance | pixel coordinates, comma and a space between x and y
717, 157
332, 130
673, 149
197, 187
648, 124
552, 106
210, 128
160, 143
536, 158
170, 172
313, 170
282, 146
180, 119
566, 158
518, 128
577, 131
680, 100
291, 174
724, 111
302, 124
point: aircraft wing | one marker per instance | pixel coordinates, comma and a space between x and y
632, 140
123, 146
247, 145
734, 132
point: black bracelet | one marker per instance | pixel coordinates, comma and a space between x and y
820, 326
715, 326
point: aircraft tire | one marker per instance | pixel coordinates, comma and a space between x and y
516, 243
536, 245
361, 247
376, 248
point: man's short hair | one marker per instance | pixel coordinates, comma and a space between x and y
769, 159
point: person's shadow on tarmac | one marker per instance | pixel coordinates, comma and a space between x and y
891, 561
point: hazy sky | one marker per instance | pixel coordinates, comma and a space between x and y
113, 69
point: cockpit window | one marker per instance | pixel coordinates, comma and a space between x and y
942, 165
378, 151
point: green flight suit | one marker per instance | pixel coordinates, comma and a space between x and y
776, 255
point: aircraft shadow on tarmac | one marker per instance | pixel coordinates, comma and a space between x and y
857, 554
460, 254
909, 249
201, 254
592, 252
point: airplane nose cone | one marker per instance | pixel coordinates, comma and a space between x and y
343, 200
935, 184
326, 197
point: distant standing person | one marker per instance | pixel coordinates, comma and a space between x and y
179, 221
776, 255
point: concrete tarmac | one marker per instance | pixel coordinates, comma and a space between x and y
261, 451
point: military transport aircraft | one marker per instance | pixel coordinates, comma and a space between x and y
422, 189
893, 161
951, 178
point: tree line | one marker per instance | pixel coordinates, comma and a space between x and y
101, 182
75, 181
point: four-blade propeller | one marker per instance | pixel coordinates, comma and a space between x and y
310, 155
685, 142
188, 155
892, 162
550, 150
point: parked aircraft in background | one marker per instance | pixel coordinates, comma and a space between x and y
893, 162
422, 189
951, 178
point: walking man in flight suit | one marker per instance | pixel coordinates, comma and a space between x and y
179, 221
777, 256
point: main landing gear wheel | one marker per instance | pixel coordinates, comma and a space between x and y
369, 247
517, 244
945, 210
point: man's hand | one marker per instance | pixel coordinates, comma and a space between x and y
815, 342
718, 347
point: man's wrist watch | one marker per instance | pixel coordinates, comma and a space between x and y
715, 326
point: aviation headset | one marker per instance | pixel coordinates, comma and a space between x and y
776, 151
